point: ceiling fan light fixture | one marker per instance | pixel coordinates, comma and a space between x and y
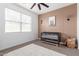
43, 4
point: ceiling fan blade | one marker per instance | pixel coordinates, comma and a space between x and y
33, 5
39, 7
44, 5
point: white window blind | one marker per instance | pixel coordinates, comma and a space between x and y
12, 27
17, 22
12, 15
26, 23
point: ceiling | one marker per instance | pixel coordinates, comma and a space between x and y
52, 6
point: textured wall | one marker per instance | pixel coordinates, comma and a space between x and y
68, 28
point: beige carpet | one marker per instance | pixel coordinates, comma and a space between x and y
33, 50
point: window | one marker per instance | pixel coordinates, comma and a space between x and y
12, 21
12, 15
16, 22
26, 23
12, 27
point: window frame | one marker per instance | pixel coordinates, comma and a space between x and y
20, 22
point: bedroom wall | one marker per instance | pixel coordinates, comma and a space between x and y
67, 28
11, 39
78, 24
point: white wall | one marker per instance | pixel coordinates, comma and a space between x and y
78, 24
11, 39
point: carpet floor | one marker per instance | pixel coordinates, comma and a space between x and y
33, 50
61, 49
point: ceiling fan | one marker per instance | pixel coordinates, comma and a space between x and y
39, 5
